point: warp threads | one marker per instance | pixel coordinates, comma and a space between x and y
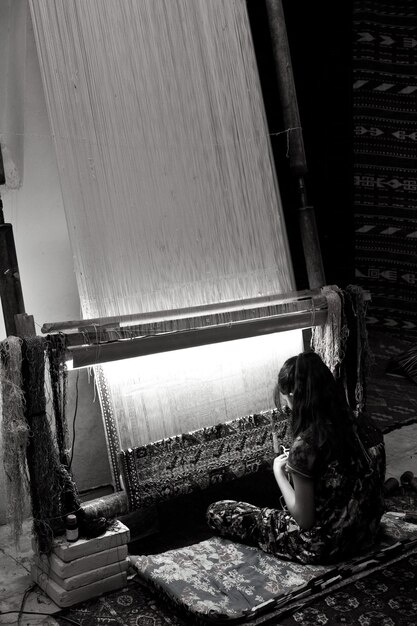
326, 340
169, 187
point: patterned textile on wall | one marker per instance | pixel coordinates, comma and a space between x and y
197, 460
385, 164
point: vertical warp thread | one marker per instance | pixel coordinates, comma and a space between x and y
165, 160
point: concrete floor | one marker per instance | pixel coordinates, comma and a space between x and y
15, 580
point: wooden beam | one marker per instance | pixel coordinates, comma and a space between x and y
10, 287
114, 332
25, 325
86, 356
175, 314
2, 180
297, 158
286, 86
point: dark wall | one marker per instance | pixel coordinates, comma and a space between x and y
320, 38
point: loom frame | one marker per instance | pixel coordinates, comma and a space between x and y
90, 340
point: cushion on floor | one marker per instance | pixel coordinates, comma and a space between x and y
218, 580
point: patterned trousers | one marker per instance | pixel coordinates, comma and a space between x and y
272, 530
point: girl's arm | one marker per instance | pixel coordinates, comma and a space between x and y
300, 498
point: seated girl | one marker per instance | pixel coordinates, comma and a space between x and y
331, 480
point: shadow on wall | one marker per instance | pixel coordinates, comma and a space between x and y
90, 465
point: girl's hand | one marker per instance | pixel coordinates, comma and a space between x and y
280, 462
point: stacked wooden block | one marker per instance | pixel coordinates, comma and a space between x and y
77, 571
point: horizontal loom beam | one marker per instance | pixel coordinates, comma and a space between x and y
85, 356
114, 332
102, 340
195, 326
175, 314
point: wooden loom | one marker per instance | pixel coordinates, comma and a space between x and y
235, 449
106, 339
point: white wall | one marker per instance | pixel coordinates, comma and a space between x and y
35, 209
36, 212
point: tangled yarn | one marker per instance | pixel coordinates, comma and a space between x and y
15, 433
327, 340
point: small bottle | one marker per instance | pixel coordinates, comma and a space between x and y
71, 527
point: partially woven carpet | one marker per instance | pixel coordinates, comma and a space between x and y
385, 165
195, 461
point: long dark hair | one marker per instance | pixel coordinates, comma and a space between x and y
319, 403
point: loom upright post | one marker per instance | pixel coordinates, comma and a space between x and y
16, 321
297, 158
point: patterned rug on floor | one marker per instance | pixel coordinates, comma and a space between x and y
384, 596
391, 399
387, 597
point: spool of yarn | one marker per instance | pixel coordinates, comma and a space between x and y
406, 478
391, 486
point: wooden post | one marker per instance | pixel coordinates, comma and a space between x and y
296, 153
25, 325
16, 322
10, 287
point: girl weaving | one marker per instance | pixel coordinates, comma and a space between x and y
331, 480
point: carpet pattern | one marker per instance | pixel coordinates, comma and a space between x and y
195, 461
131, 606
386, 598
384, 595
385, 167
391, 400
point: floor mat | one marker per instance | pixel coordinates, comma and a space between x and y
386, 598
335, 591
